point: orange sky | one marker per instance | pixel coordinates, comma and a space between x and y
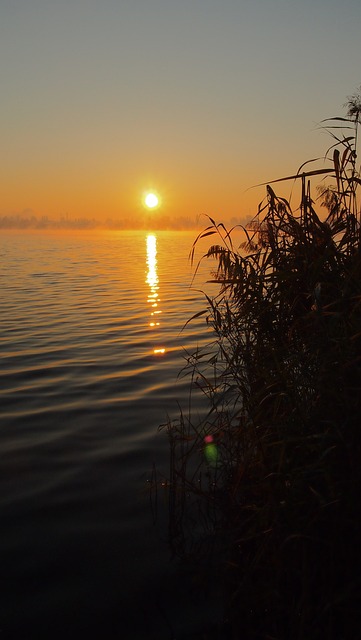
198, 100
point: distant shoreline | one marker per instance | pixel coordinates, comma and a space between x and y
20, 222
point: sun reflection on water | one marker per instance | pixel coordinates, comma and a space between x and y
153, 281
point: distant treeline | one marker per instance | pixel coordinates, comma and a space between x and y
23, 221
19, 221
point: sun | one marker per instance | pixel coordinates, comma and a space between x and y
151, 200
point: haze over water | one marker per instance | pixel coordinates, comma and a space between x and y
91, 345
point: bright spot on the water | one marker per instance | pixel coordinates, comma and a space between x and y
159, 350
151, 200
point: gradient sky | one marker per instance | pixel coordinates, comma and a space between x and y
197, 99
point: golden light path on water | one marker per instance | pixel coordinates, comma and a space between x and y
153, 281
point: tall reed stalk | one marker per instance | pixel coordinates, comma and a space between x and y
280, 500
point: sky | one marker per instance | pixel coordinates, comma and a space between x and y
197, 100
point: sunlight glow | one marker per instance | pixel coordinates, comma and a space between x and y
151, 200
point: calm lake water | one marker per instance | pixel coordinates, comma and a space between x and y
91, 345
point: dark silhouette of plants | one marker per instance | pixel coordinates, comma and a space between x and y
279, 508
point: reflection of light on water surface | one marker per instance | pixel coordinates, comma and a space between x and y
152, 276
153, 282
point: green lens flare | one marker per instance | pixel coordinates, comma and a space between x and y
211, 454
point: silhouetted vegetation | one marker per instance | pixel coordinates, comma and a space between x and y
275, 509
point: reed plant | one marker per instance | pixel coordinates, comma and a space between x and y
276, 505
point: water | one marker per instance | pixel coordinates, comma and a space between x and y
91, 345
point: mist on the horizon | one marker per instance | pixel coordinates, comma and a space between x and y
29, 221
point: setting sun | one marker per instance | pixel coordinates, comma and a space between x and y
151, 200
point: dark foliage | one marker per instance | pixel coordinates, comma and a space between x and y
279, 505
